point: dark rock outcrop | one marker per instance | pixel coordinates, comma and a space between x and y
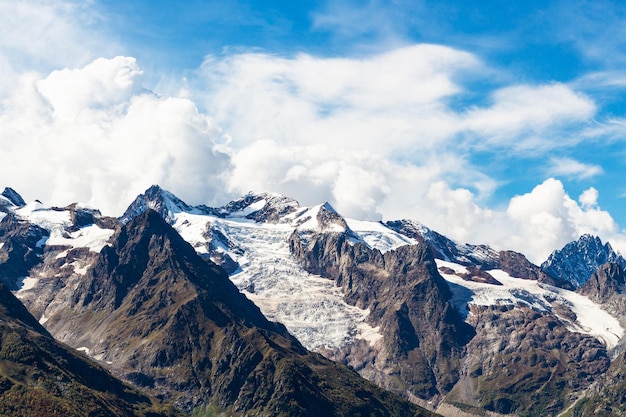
22, 249
423, 335
13, 196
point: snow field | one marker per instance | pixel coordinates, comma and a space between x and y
591, 318
312, 308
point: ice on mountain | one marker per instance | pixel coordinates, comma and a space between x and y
378, 236
311, 307
92, 237
249, 209
590, 317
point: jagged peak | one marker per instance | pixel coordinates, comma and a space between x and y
445, 248
578, 260
158, 199
13, 196
260, 207
322, 217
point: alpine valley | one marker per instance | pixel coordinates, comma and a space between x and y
263, 307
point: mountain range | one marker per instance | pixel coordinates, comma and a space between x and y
266, 307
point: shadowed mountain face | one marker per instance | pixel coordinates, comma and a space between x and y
169, 321
20, 250
423, 335
41, 377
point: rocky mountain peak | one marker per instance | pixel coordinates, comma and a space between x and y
13, 196
447, 249
329, 218
156, 198
576, 262
260, 207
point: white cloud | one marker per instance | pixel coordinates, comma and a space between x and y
571, 168
589, 198
44, 34
380, 103
520, 116
546, 219
94, 135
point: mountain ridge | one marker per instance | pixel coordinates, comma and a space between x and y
364, 275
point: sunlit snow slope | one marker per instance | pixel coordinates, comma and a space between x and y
590, 317
311, 307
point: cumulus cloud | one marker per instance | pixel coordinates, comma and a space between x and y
547, 218
383, 102
94, 135
589, 198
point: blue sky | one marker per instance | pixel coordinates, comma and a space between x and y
494, 122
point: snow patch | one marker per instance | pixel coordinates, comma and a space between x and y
80, 270
591, 318
193, 228
311, 307
92, 237
83, 349
249, 209
28, 283
43, 217
379, 236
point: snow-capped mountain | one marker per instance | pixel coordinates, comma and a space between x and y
578, 260
417, 313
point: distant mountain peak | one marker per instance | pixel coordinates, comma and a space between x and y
322, 217
156, 198
13, 196
447, 249
577, 261
260, 207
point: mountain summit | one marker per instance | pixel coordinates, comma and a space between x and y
578, 260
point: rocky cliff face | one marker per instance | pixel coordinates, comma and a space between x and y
479, 257
578, 260
608, 398
423, 336
21, 249
606, 284
527, 363
505, 359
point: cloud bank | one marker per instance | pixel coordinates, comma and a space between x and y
94, 135
380, 134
